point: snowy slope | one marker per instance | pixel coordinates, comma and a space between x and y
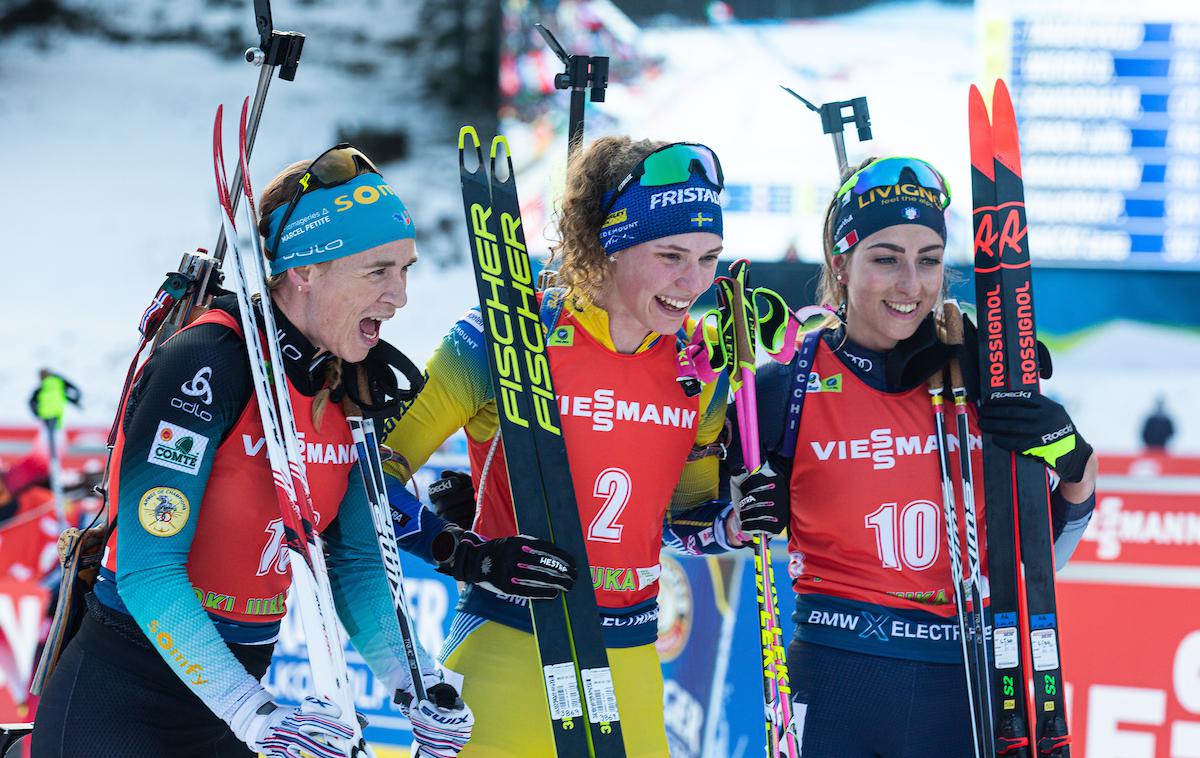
109, 180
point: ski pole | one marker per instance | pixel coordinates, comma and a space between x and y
937, 388
954, 336
370, 465
737, 301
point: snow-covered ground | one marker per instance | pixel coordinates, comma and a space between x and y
108, 180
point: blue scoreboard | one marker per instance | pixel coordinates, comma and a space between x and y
1109, 114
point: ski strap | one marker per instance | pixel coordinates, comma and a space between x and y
801, 369
553, 300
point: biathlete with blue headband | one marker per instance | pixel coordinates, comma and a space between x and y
640, 229
876, 664
181, 624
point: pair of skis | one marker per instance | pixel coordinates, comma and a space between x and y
578, 681
1025, 627
312, 595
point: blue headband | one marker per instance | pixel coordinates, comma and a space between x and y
642, 214
334, 222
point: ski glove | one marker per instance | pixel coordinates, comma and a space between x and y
761, 499
441, 723
283, 731
453, 497
522, 565
1038, 427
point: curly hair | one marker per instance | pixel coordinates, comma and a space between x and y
278, 192
590, 173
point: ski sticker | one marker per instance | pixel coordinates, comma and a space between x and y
562, 691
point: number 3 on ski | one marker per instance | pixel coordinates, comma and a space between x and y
1015, 486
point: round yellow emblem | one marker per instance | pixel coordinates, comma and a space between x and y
163, 511
674, 609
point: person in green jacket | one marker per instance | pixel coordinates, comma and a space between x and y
49, 403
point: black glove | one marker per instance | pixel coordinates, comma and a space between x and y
522, 565
761, 499
969, 359
453, 498
914, 359
1038, 427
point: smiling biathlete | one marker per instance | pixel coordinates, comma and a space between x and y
182, 622
876, 665
640, 230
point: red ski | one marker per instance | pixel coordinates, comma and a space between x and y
1016, 489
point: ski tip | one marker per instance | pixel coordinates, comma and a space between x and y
980, 134
1007, 142
975, 101
501, 155
466, 131
1000, 91
243, 123
498, 141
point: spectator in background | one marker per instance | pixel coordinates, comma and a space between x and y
23, 485
49, 401
1158, 429
25, 502
791, 254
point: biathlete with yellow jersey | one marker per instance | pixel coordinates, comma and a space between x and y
182, 622
877, 663
640, 229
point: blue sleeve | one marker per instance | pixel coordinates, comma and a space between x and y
699, 530
361, 592
190, 394
1070, 521
416, 526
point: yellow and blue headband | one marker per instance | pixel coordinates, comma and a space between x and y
335, 222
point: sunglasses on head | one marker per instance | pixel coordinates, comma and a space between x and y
886, 172
672, 164
337, 165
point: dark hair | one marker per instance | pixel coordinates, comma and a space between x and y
830, 291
